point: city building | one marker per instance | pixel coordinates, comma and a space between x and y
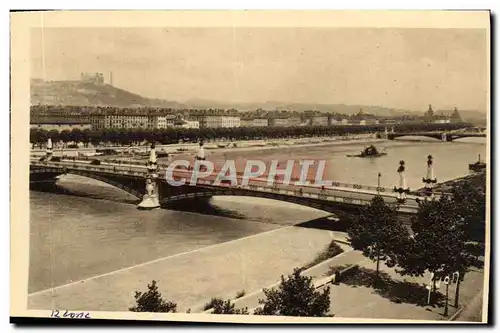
366, 122
164, 121
334, 121
127, 121
455, 116
293, 121
441, 119
246, 122
429, 115
182, 123
216, 121
59, 123
389, 121
260, 122
319, 121
278, 122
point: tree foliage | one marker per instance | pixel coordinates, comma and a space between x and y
469, 199
219, 306
446, 233
124, 136
152, 301
295, 296
377, 232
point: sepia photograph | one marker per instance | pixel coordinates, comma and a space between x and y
251, 166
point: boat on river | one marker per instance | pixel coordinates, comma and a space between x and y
370, 151
478, 166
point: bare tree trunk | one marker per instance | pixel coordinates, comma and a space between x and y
433, 293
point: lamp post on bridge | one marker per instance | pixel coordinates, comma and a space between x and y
402, 190
429, 180
48, 152
151, 198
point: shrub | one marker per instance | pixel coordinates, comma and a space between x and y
218, 306
152, 301
240, 294
210, 304
295, 296
95, 162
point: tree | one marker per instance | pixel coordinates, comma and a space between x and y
86, 134
75, 135
218, 306
54, 135
152, 301
295, 296
469, 199
37, 136
65, 135
377, 233
442, 242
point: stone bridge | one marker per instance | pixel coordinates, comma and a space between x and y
338, 200
444, 136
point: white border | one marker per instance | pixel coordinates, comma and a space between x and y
145, 4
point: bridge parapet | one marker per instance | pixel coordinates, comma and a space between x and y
262, 186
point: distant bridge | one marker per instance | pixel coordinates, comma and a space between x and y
444, 136
339, 199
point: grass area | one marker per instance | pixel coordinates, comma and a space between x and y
332, 250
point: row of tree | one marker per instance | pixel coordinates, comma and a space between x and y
447, 236
175, 135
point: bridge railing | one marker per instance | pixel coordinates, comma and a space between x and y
127, 169
263, 185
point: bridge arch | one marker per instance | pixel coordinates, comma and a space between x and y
337, 208
132, 188
438, 136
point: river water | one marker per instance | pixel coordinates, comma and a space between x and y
87, 228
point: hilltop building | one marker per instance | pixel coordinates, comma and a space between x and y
95, 78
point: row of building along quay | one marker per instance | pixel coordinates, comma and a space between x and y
69, 117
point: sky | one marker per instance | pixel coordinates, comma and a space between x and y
399, 68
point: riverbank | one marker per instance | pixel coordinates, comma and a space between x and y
397, 298
190, 148
214, 271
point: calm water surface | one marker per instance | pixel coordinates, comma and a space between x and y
90, 228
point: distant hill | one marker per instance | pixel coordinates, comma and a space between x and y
274, 105
91, 94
